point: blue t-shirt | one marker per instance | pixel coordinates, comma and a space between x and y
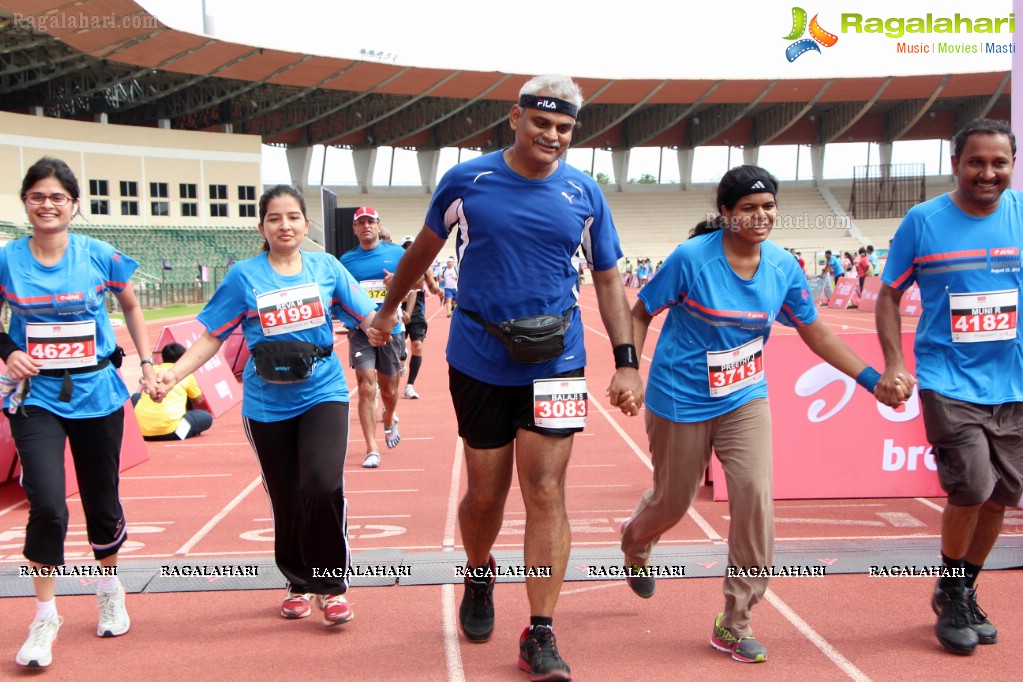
836, 267
321, 288
368, 268
515, 241
969, 272
709, 358
52, 297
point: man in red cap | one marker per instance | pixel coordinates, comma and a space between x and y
372, 262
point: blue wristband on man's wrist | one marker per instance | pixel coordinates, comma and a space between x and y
868, 378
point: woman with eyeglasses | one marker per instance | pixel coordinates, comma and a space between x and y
295, 404
61, 349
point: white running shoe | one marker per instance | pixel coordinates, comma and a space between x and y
113, 617
37, 651
410, 392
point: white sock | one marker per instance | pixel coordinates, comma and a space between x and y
46, 609
107, 583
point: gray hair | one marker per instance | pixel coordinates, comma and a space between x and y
551, 85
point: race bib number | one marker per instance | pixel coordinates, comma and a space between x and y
62, 346
375, 288
731, 370
290, 310
560, 403
989, 316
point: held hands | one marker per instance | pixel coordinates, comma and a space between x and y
147, 382
895, 386
379, 330
626, 391
162, 385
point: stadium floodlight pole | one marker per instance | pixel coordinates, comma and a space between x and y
207, 21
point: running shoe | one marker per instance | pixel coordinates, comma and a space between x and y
538, 655
37, 651
391, 435
638, 577
113, 616
954, 628
372, 460
476, 614
336, 609
296, 605
986, 632
743, 649
410, 392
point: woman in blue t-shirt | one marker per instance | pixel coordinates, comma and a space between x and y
61, 354
723, 290
295, 398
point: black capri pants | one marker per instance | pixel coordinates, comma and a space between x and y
40, 436
302, 460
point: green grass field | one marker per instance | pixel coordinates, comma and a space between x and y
169, 311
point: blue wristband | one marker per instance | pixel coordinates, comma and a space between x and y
868, 378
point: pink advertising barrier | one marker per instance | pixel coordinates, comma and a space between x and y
831, 439
910, 304
868, 297
844, 294
220, 389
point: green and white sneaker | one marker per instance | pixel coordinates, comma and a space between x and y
743, 649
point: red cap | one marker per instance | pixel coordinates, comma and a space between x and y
366, 211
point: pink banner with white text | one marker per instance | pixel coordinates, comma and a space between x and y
832, 439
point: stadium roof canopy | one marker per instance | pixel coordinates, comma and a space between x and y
88, 59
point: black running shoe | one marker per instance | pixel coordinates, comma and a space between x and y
538, 655
954, 628
986, 632
476, 614
640, 579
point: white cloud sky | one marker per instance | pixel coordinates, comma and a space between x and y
650, 39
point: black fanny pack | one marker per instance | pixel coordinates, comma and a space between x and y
67, 386
528, 339
286, 362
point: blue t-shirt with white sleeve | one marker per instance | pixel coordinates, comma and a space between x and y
515, 240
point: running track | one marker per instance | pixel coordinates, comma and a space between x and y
200, 502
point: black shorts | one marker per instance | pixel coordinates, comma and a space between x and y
489, 415
416, 329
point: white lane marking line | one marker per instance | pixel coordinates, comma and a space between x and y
833, 655
13, 507
452, 650
147, 478
707, 529
927, 503
211, 524
592, 588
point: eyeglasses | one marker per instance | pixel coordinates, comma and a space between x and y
38, 199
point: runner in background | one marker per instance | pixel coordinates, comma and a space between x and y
372, 263
61, 351
415, 306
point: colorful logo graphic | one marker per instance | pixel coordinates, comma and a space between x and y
817, 35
